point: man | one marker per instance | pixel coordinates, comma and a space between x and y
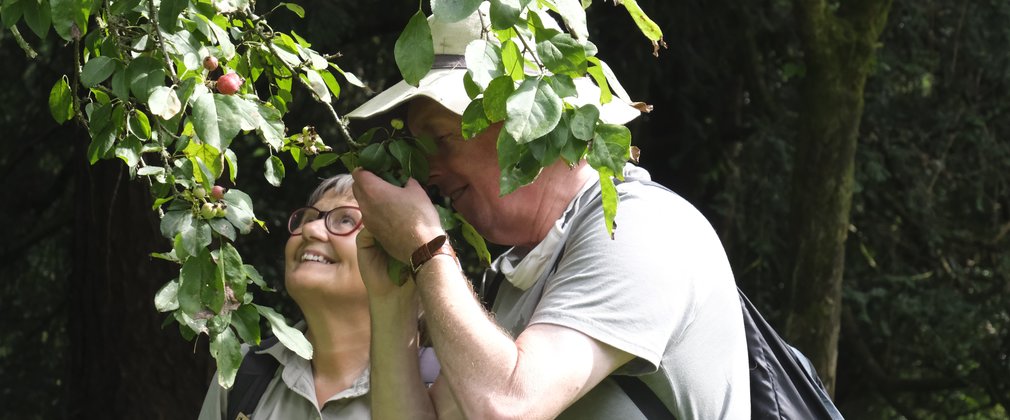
578, 309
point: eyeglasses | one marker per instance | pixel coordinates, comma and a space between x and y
341, 221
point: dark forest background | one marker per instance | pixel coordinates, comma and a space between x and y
923, 260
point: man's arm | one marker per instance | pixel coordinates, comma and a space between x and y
537, 375
490, 374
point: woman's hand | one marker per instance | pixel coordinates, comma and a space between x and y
373, 263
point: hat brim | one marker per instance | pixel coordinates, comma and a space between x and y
445, 86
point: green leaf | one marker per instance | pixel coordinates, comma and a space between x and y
649, 28
223, 227
453, 10
513, 61
483, 62
96, 70
574, 150
298, 10
120, 86
173, 222
255, 277
471, 88
61, 103
38, 17
140, 125
351, 78
247, 323
144, 75
169, 12
562, 54
475, 240
523, 173
195, 271
584, 121
67, 14
212, 294
226, 350
331, 83
129, 151
563, 85
234, 274
508, 150
609, 198
374, 158
11, 11
574, 16
495, 95
291, 338
596, 72
323, 160
611, 147
533, 110
505, 13
209, 157
167, 298
317, 85
474, 119
163, 102
195, 236
218, 118
270, 126
274, 171
240, 210
414, 51
232, 160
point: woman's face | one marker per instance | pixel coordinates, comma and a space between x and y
319, 264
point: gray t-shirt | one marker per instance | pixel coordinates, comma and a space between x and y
662, 290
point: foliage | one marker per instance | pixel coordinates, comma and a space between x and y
168, 88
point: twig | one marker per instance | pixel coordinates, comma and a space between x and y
78, 112
161, 40
329, 107
23, 44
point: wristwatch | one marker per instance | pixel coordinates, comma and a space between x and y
437, 246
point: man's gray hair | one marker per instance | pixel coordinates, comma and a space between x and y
340, 184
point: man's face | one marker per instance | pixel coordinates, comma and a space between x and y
467, 172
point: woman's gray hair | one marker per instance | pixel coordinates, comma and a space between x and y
340, 184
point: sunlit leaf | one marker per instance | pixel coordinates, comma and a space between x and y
291, 338
414, 51
274, 171
453, 10
61, 103
533, 110
167, 298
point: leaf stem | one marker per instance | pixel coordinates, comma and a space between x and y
153, 12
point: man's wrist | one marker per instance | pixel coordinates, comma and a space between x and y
439, 245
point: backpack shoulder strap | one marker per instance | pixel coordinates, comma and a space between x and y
254, 374
643, 397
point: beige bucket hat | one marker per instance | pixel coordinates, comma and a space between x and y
444, 82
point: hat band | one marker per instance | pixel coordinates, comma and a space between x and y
449, 61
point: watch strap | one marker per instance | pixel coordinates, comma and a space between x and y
424, 253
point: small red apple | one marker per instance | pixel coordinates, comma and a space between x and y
210, 63
229, 83
217, 192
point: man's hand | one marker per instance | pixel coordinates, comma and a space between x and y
402, 219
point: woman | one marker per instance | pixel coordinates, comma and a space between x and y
321, 275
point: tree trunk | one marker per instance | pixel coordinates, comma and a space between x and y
122, 363
839, 48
